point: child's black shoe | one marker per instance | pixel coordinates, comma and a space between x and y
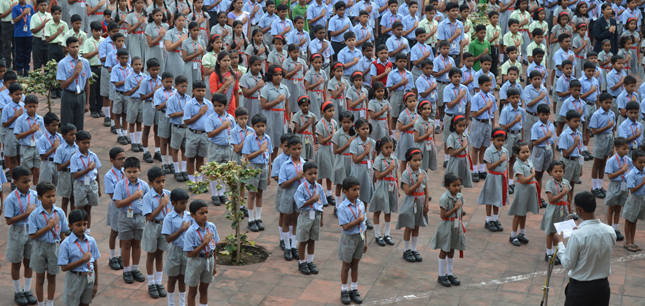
407, 255
522, 238
152, 291
443, 280
514, 241
417, 256
282, 245
490, 225
161, 290
499, 226
454, 280
304, 268
259, 224
619, 236
114, 264
20, 299
344, 297
127, 277
388, 240
355, 296
295, 254
253, 227
31, 299
312, 268
138, 276
119, 258
380, 241
287, 255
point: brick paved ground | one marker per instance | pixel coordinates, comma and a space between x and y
493, 271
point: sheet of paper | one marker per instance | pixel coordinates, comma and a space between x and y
565, 227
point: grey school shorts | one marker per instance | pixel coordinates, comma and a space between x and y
541, 158
112, 219
591, 108
135, 111
150, 113
396, 103
447, 119
260, 181
3, 132
511, 140
480, 134
131, 228
119, 103
178, 138
11, 145
86, 194
44, 257
29, 157
199, 269
48, 172
152, 239
176, 260
105, 83
164, 128
440, 88
572, 170
111, 93
196, 144
308, 229
65, 184
77, 289
19, 245
220, 154
603, 145
350, 247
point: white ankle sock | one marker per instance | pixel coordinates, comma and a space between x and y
482, 168
133, 136
177, 169
184, 164
112, 253
437, 122
310, 257
139, 139
354, 286
377, 230
343, 287
447, 157
489, 218
510, 181
258, 213
442, 267
163, 160
106, 110
145, 150
449, 262
171, 299
406, 245
182, 298
522, 231
135, 267
413, 243
157, 149
386, 230
112, 123
513, 234
41, 304
328, 192
495, 217
294, 242
118, 132
337, 200
213, 186
16, 286
280, 231
615, 226
252, 214
158, 277
124, 132
151, 279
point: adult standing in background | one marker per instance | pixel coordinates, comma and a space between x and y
605, 28
587, 256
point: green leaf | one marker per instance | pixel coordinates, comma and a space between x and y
251, 188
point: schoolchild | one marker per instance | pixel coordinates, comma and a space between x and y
379, 111
494, 193
633, 210
381, 67
150, 115
338, 25
513, 74
386, 190
294, 69
309, 198
175, 102
279, 53
256, 48
195, 116
106, 46
397, 44
486, 63
528, 194
90, 51
21, 14
325, 130
542, 139
251, 83
423, 130
627, 94
63, 158
118, 75
28, 129
357, 97
219, 125
37, 26
631, 128
192, 50
364, 28
405, 125
342, 157
47, 144
316, 84
299, 37
173, 40
77, 23
617, 168
574, 102
75, 82
570, 145
154, 34
615, 80
289, 181
452, 31
111, 178
238, 133
468, 74
534, 94
321, 46
257, 149
55, 30
84, 168
273, 100
482, 107
538, 64
456, 100
457, 143
95, 12
134, 115
558, 209
174, 228
399, 81
304, 122
601, 125
426, 86
362, 149
589, 93
337, 86
275, 175
10, 114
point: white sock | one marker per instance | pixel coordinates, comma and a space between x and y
41, 304
482, 168
522, 231
258, 213
510, 181
413, 243
127, 269
118, 132
151, 279
354, 286
447, 157
437, 122
280, 231
513, 234
133, 136
615, 226
338, 201
191, 177
177, 169
449, 261
406, 245
169, 159
294, 241
310, 257
145, 150
386, 230
442, 267
377, 230
113, 124
163, 160
171, 299
200, 304
549, 251
112, 253
495, 217
222, 191
184, 164
213, 185
290, 228
476, 168
50, 302
343, 287
252, 214
489, 218
106, 110
16, 286
158, 277
182, 298
139, 139
124, 131
584, 148
302, 260
135, 267
157, 149
118, 252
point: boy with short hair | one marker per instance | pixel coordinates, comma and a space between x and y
388, 19
534, 94
134, 114
513, 73
29, 127
563, 91
420, 52
570, 145
200, 246
264, 24
321, 46
365, 64
90, 52
615, 79
362, 30
493, 32
574, 102
456, 99
257, 149
17, 207
275, 172
480, 46
349, 55
128, 194
631, 129
47, 230
513, 53
47, 144
21, 19
628, 94
111, 178
196, 113
399, 82
151, 116
338, 25
118, 75
601, 124
411, 22
37, 27
10, 114
219, 125
512, 38
76, 22
538, 36
175, 225
486, 63
467, 72
564, 53
308, 198
175, 105
74, 74
63, 159
281, 25
397, 44
85, 169
482, 108
156, 205
452, 31
427, 86
429, 24
590, 92
54, 36
617, 168
105, 47
442, 64
543, 141
536, 64
381, 67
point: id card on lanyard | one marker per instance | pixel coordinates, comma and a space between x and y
461, 109
548, 145
360, 227
22, 211
86, 178
90, 272
130, 213
623, 183
33, 140
56, 228
312, 212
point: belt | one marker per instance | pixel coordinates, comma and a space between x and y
138, 32
163, 111
487, 121
196, 131
74, 92
469, 159
65, 170
295, 79
305, 133
504, 185
514, 132
121, 92
380, 119
81, 273
537, 189
326, 144
49, 159
363, 162
277, 109
562, 203
97, 13
156, 221
573, 280
202, 29
461, 252
417, 194
180, 126
209, 255
177, 51
571, 158
408, 132
252, 98
532, 114
346, 154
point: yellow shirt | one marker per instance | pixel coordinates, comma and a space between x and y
7, 5
51, 28
90, 45
429, 26
36, 20
81, 36
490, 33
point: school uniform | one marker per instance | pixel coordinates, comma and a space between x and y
237, 136
4, 100
251, 50
152, 238
19, 245
422, 84
176, 258
394, 43
86, 187
621, 102
157, 51
542, 154
44, 255
541, 68
294, 37
624, 53
317, 94
363, 31
193, 69
131, 219
617, 190
450, 234
295, 83
289, 170
614, 77
386, 196
96, 16
450, 92
387, 20
634, 209
79, 282
411, 214
48, 170
628, 129
11, 144
605, 56
495, 189
440, 63
63, 154
503, 93
380, 125
276, 121
106, 46
572, 163
361, 170
556, 211
581, 57
340, 103
446, 30
591, 99
352, 241
337, 23
196, 138
29, 156
489, 74
308, 227
265, 22
111, 178
529, 94
39, 44
90, 45
200, 268
135, 106
364, 64
461, 164
466, 74
527, 196
22, 37
252, 143
55, 48
396, 96
325, 155
220, 149
149, 114
7, 32
120, 101
342, 162
80, 35
604, 142
174, 61
307, 136
195, 16
577, 105
174, 104
482, 125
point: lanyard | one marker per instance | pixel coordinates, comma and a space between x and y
481, 93
620, 166
387, 166
29, 123
444, 62
407, 111
298, 168
543, 129
127, 188
456, 95
116, 176
260, 145
422, 50
88, 160
202, 238
88, 249
124, 72
71, 63
574, 138
24, 18
574, 105
164, 93
20, 202
326, 128
428, 80
310, 195
355, 216
165, 210
52, 230
631, 126
50, 141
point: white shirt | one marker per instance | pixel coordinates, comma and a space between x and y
588, 254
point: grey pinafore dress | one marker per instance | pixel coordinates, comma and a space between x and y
460, 165
406, 138
275, 119
411, 212
158, 51
174, 61
554, 213
386, 190
427, 147
450, 234
360, 110
342, 162
137, 41
526, 197
361, 170
380, 126
491, 193
307, 136
295, 84
193, 69
316, 95
252, 103
325, 155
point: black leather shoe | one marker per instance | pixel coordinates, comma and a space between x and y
119, 258
282, 245
619, 236
186, 178
171, 167
547, 257
499, 226
223, 199
522, 238
31, 300
114, 264
408, 256
443, 280
514, 241
380, 241
511, 189
101, 113
445, 164
138, 276
304, 268
179, 177
604, 192
417, 256
482, 175
490, 225
147, 157
453, 280
388, 240
20, 299
355, 296
253, 227
157, 156
259, 224
335, 212
295, 254
245, 211
287, 255
128, 139
107, 122
312, 268
344, 298
127, 277
368, 224
152, 290
543, 203
134, 147
122, 140
476, 177
331, 200
113, 129
215, 200
161, 290
166, 169
94, 114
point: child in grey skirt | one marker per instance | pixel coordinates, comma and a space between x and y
357, 96
379, 111
422, 136
386, 192
494, 194
405, 124
527, 194
634, 209
294, 69
414, 210
325, 129
304, 122
457, 144
362, 149
341, 141
450, 234
337, 87
558, 209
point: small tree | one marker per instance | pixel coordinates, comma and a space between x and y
235, 176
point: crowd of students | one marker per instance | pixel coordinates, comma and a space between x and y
352, 94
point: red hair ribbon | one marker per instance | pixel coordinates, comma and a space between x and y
325, 104
540, 9
584, 24
336, 66
277, 69
457, 118
631, 18
415, 151
563, 13
407, 95
421, 103
499, 132
355, 73
302, 97
213, 37
316, 55
279, 36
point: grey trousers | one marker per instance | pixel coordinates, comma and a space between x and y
74, 106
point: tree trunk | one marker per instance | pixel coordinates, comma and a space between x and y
237, 229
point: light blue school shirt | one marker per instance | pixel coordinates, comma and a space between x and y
628, 13
373, 16
337, 23
172, 223
9, 110
307, 190
46, 142
508, 114
24, 123
624, 97
106, 46
423, 83
539, 68
394, 43
566, 140
613, 77
395, 76
266, 20
294, 37
628, 128
316, 45
490, 75
162, 95
248, 7
314, 10
559, 57
209, 3
81, 162
152, 200
238, 134
615, 163
348, 212
148, 86
16, 204
408, 22
277, 164
363, 64
562, 85
119, 74
503, 92
418, 51
479, 101
577, 105
224, 5
587, 84
465, 75
387, 19
132, 81
69, 252
446, 29
539, 130
635, 177
288, 171
216, 120
404, 9
125, 188
440, 63
374, 72
192, 109
530, 93
277, 26
252, 143
641, 90
5, 98
39, 218
362, 32
112, 59
379, 4
450, 93
66, 69
65, 152
600, 118
195, 235
346, 56
111, 178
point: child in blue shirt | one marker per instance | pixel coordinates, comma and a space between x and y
419, 53
601, 124
62, 160
275, 173
175, 225
29, 127
195, 116
134, 114
10, 113
151, 117
119, 73
511, 119
47, 144
84, 168
290, 177
111, 178
631, 128
468, 74
174, 101
21, 19
397, 44
427, 86
570, 145
219, 125
633, 210
257, 149
200, 245
617, 168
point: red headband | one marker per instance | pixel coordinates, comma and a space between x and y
302, 97
407, 95
457, 118
325, 104
421, 103
357, 72
540, 8
316, 55
499, 132
278, 36
213, 37
563, 13
415, 151
631, 18
584, 24
336, 66
277, 69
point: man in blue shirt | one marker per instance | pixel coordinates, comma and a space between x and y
73, 75
21, 18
